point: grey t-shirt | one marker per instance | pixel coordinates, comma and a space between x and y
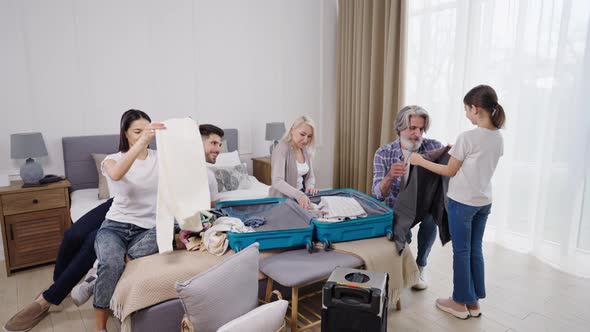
406, 154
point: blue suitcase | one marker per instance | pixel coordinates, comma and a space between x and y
287, 225
378, 222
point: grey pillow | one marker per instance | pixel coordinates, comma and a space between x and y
103, 188
223, 292
231, 177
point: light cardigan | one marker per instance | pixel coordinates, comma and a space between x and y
284, 172
183, 188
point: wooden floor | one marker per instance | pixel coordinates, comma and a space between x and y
523, 294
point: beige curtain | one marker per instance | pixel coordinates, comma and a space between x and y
371, 42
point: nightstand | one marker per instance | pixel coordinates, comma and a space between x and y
33, 223
261, 168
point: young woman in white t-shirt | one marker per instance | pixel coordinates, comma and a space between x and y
474, 158
128, 231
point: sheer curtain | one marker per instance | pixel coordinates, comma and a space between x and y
536, 54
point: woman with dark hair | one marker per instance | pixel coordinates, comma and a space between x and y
128, 231
76, 253
473, 161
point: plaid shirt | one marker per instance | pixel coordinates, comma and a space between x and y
388, 155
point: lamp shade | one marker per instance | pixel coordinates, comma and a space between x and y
27, 145
274, 131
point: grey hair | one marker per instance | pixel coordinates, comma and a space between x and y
402, 120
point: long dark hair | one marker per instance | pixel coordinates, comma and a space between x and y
484, 97
126, 119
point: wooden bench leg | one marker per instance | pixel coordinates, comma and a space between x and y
294, 309
398, 305
268, 289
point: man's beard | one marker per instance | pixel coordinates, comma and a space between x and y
210, 158
409, 145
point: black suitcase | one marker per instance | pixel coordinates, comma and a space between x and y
355, 301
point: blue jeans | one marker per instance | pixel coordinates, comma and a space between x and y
114, 241
426, 238
467, 224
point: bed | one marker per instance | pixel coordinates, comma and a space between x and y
80, 169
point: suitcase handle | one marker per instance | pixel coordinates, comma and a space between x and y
353, 296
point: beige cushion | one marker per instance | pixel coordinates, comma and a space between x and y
103, 188
267, 318
222, 293
223, 146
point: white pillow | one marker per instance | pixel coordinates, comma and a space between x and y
267, 318
228, 159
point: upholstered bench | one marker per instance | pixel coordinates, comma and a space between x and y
299, 268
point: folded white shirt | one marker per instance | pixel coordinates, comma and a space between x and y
340, 208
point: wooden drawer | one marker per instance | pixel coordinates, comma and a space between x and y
35, 237
33, 201
262, 170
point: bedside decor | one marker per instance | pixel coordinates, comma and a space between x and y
274, 132
28, 146
33, 222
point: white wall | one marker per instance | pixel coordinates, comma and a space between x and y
72, 67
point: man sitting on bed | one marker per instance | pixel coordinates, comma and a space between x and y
76, 252
211, 136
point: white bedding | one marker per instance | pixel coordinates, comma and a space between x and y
258, 190
84, 200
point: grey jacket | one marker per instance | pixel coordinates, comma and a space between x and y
425, 194
284, 172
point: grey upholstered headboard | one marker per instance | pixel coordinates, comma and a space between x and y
80, 167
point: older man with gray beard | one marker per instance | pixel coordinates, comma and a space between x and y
391, 168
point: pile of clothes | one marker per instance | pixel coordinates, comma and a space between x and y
337, 208
216, 224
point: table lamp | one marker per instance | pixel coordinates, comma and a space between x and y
28, 146
274, 132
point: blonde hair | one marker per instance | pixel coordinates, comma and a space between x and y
301, 120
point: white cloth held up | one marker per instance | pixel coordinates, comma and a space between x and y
183, 188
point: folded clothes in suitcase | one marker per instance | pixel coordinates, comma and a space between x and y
376, 222
284, 224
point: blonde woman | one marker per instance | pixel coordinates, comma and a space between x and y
292, 167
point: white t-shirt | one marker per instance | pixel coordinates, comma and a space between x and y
479, 149
302, 169
136, 193
213, 190
406, 154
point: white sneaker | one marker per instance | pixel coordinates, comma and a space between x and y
422, 281
84, 290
